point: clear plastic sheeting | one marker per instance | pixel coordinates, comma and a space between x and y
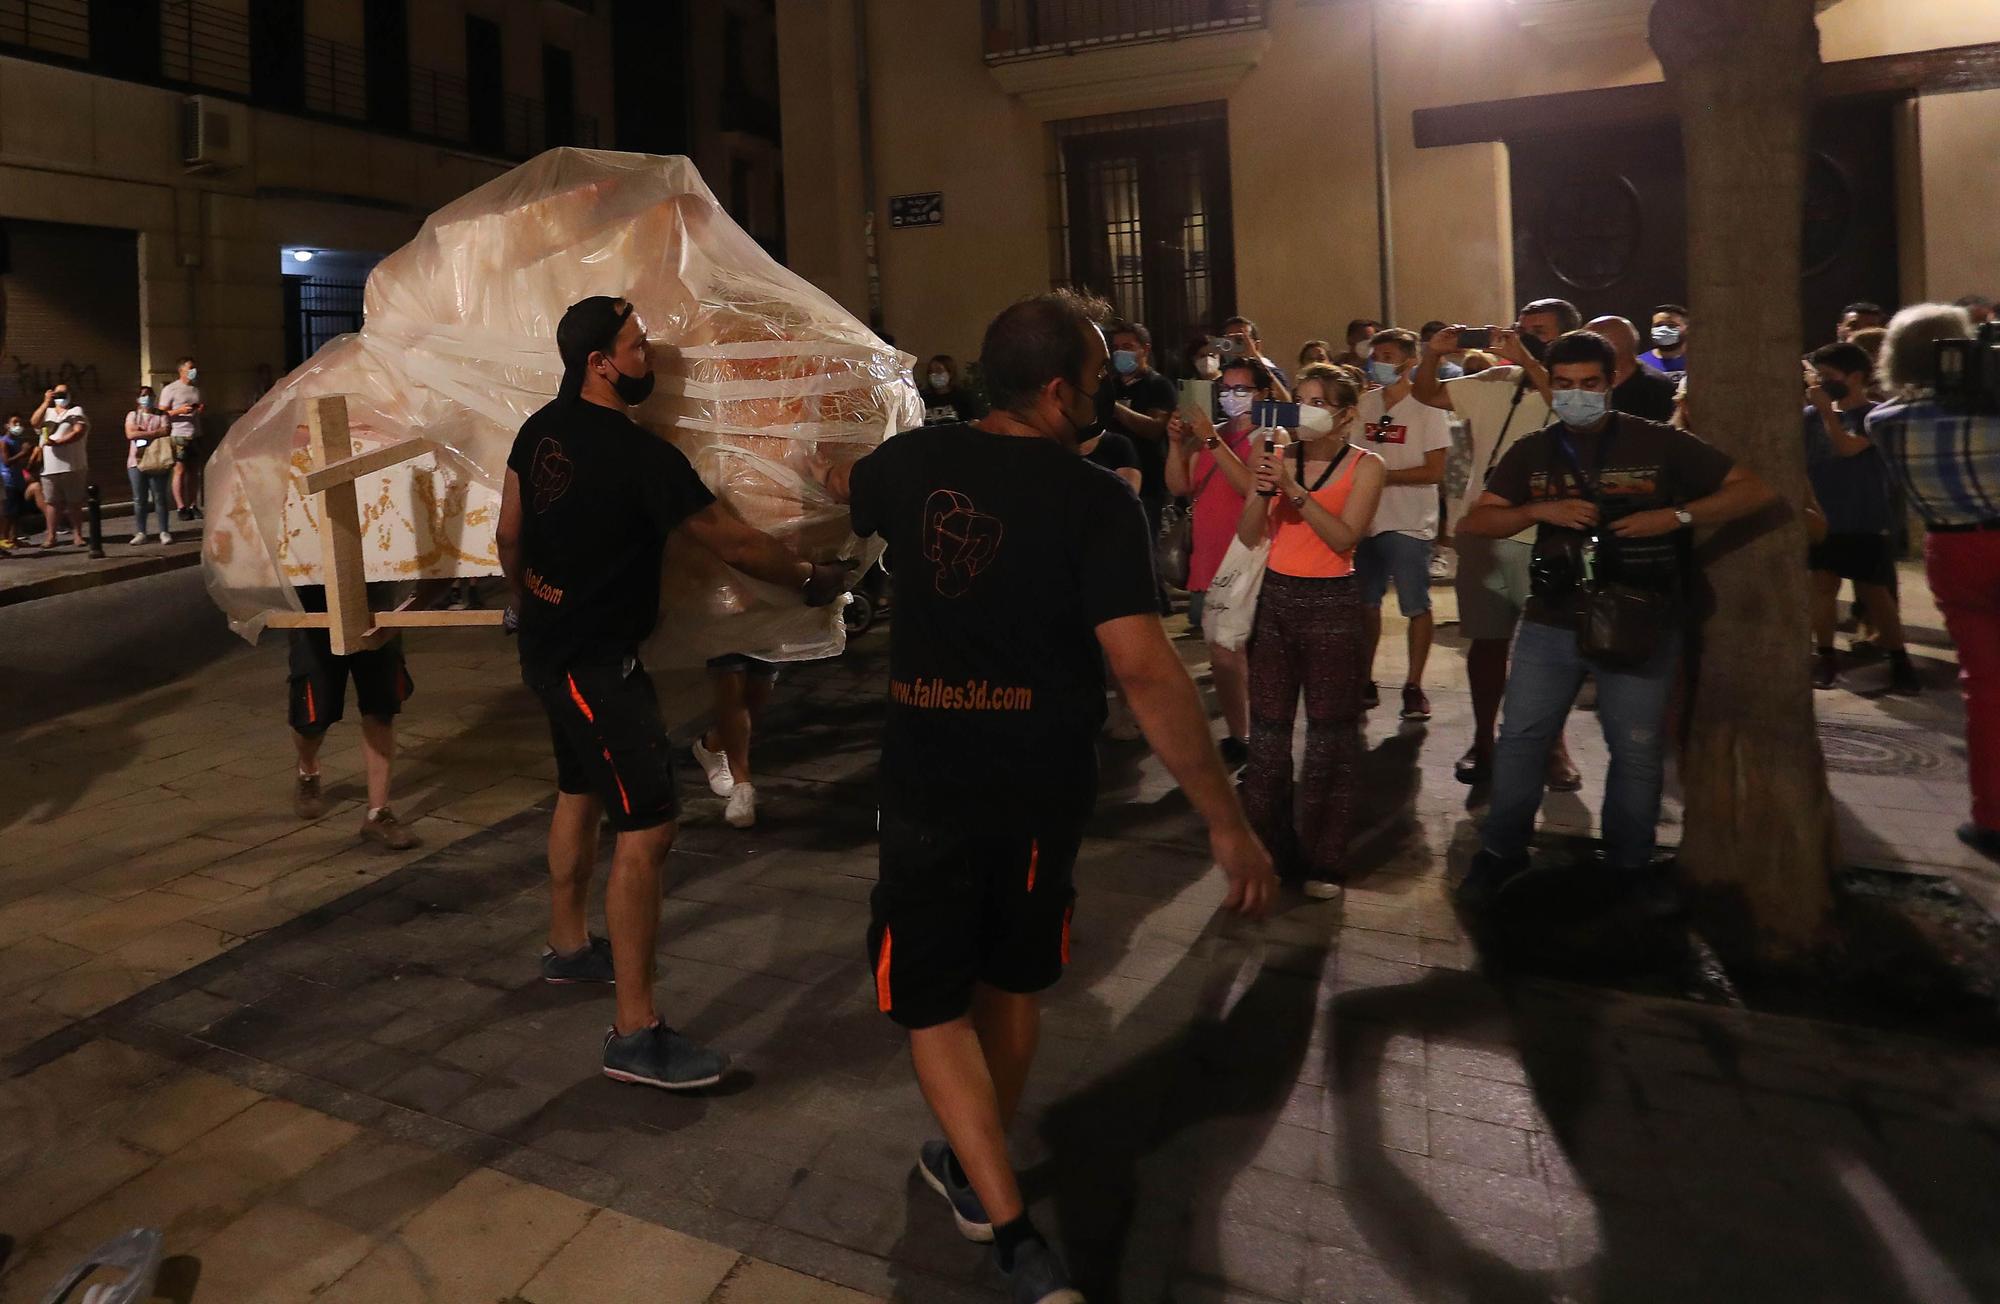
760, 376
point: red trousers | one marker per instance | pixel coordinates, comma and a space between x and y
1964, 572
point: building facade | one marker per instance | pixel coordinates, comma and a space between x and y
217, 177
1194, 158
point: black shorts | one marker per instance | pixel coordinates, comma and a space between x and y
1863, 558
319, 681
604, 720
738, 662
956, 907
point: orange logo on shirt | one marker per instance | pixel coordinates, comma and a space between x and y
960, 538
551, 475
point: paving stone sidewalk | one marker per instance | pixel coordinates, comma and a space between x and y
1332, 1105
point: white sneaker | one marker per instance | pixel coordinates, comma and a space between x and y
716, 766
165, 537
136, 540
741, 812
1320, 889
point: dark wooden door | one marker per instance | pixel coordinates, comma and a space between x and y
1600, 218
1150, 227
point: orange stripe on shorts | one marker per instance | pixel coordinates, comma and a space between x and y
623, 800
882, 974
1034, 858
1065, 942
312, 711
575, 695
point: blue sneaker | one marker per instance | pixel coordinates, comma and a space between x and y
590, 963
934, 1162
660, 1057
1038, 1277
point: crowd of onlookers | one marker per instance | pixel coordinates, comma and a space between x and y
45, 463
1551, 471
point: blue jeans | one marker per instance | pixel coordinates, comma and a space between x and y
158, 486
1542, 684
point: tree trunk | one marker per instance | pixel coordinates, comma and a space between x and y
1759, 839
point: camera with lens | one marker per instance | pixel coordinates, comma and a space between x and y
1968, 371
1229, 346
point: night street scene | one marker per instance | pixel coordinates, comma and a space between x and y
999, 651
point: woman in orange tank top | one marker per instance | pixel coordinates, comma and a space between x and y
1315, 501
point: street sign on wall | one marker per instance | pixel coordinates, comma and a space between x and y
916, 210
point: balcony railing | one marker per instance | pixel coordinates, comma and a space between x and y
1036, 29
206, 47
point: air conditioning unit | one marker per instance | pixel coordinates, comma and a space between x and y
215, 133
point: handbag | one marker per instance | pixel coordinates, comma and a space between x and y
1173, 549
157, 457
1618, 626
1231, 607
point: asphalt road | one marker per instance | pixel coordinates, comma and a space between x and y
63, 653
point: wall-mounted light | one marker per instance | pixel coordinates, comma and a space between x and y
302, 255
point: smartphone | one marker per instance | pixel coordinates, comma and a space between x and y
1198, 397
1475, 337
1270, 445
1268, 414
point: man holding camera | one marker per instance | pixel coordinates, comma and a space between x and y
1611, 498
1500, 406
1944, 449
1137, 404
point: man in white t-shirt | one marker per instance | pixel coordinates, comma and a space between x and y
1414, 439
1500, 406
65, 460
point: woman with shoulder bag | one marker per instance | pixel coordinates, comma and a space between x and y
149, 464
1314, 501
1210, 467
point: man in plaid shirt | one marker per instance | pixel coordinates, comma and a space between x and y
1948, 462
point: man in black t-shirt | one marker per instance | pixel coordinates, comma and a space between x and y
1612, 497
1021, 568
1114, 452
590, 499
1137, 404
1640, 391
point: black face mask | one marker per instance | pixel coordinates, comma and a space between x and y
1836, 390
1089, 430
631, 390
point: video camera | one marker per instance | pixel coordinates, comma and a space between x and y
1968, 371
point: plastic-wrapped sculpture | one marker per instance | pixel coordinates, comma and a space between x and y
760, 373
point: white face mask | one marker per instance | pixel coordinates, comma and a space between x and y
1314, 422
192, 374
1236, 405
1207, 367
940, 380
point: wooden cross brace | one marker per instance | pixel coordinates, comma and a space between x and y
350, 626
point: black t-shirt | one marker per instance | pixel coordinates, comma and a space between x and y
951, 406
1114, 452
1646, 394
599, 496
1009, 553
1650, 466
1146, 392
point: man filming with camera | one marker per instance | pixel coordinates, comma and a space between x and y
1611, 498
1940, 434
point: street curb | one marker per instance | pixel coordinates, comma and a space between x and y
78, 581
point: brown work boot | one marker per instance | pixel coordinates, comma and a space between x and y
383, 827
307, 804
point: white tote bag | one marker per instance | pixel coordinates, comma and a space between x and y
1231, 607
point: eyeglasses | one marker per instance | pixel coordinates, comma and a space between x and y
1238, 389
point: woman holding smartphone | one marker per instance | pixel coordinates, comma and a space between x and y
1314, 500
1210, 467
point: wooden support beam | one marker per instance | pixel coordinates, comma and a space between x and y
1888, 76
382, 620
349, 469
340, 560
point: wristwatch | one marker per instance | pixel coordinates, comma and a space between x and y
1210, 441
1685, 517
1298, 501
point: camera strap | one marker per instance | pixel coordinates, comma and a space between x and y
1317, 485
1500, 444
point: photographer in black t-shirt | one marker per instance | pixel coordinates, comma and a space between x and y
590, 500
1021, 568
